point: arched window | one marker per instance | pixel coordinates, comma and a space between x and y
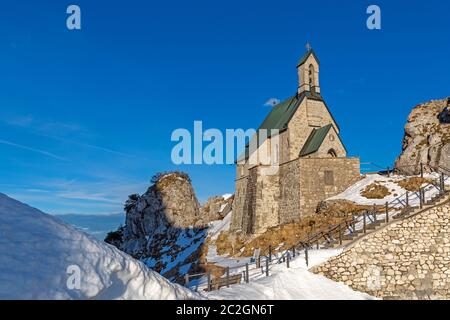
332, 153
312, 78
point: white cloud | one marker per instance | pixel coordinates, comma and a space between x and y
272, 102
58, 130
42, 152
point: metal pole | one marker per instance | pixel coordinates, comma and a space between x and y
186, 280
246, 273
270, 253
293, 251
258, 262
228, 277
340, 235
208, 277
421, 170
267, 267
287, 259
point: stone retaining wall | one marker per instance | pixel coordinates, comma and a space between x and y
408, 259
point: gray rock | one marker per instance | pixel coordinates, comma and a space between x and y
426, 139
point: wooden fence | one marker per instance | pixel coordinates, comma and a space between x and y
398, 207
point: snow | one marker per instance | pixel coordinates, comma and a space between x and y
283, 283
353, 193
41, 258
227, 196
216, 227
295, 283
191, 243
223, 206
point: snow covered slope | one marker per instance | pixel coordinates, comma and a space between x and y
295, 283
353, 193
41, 258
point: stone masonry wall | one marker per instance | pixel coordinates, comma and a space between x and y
238, 204
289, 192
408, 259
266, 199
313, 185
331, 141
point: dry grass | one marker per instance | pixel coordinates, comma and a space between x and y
286, 236
413, 184
375, 191
229, 243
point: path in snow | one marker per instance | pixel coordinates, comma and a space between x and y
295, 283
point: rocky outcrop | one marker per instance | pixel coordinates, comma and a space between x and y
166, 228
427, 138
217, 208
162, 224
408, 259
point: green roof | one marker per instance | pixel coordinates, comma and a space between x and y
279, 116
282, 113
306, 56
315, 140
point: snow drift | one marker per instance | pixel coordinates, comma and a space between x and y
43, 258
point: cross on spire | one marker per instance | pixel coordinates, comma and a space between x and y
308, 46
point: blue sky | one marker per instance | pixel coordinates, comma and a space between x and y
86, 116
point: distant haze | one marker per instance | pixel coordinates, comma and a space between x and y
96, 225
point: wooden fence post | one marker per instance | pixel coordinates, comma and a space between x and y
421, 198
228, 277
186, 280
246, 273
287, 259
270, 253
267, 267
407, 199
387, 212
306, 256
208, 278
364, 222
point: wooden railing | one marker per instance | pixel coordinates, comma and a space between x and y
398, 207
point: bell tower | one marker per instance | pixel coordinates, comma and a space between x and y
308, 72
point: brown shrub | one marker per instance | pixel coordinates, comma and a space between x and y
286, 236
413, 184
375, 191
